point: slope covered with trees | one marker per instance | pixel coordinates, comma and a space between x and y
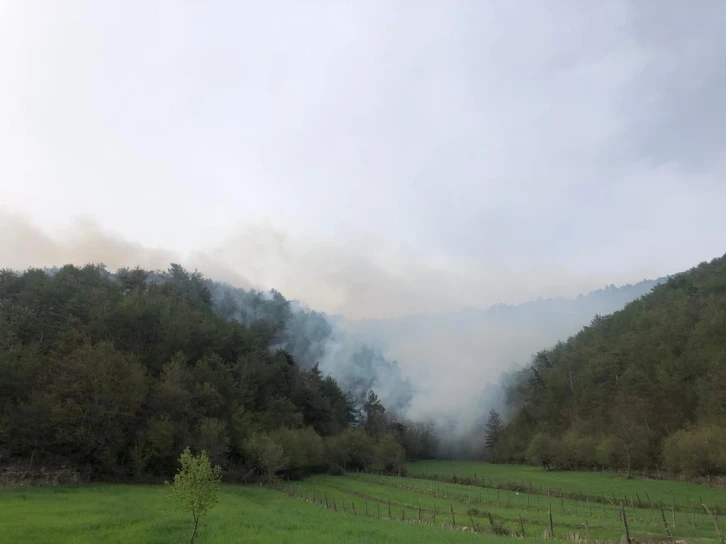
643, 388
115, 374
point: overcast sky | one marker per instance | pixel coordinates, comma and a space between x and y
370, 158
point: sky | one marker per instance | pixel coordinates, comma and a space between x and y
370, 158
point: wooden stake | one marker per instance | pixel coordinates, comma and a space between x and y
521, 526
715, 523
353, 505
587, 531
552, 526
652, 510
625, 523
665, 524
453, 521
673, 512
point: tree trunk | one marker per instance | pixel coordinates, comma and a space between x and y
194, 534
629, 459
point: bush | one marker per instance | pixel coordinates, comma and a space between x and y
607, 452
577, 451
696, 452
353, 449
543, 450
303, 449
265, 455
390, 454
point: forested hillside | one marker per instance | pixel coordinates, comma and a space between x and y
114, 374
642, 388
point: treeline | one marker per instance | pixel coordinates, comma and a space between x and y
115, 374
644, 388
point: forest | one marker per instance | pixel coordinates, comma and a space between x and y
641, 389
114, 374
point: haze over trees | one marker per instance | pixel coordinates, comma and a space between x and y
643, 388
116, 374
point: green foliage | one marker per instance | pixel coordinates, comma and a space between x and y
116, 374
375, 422
543, 450
265, 454
353, 449
696, 452
196, 485
629, 380
390, 455
303, 449
493, 430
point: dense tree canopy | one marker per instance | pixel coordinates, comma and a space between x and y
634, 390
115, 374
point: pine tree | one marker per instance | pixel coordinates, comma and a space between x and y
493, 429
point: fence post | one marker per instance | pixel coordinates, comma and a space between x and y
625, 523
665, 524
715, 523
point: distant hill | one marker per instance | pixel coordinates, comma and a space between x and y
643, 387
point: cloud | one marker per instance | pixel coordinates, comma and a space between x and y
490, 135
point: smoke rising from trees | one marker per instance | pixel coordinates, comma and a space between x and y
449, 367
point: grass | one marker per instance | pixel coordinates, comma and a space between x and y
410, 498
594, 484
122, 514
355, 508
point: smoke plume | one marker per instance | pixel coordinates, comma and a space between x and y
443, 364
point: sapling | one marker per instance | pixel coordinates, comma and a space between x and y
195, 485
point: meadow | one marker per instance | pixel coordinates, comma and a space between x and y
373, 508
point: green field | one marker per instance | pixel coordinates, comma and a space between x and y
593, 484
368, 508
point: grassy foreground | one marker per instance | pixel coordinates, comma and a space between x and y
123, 514
364, 508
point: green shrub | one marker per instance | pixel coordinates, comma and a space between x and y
265, 455
353, 449
390, 455
696, 452
303, 449
543, 450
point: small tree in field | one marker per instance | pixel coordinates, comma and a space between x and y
195, 485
